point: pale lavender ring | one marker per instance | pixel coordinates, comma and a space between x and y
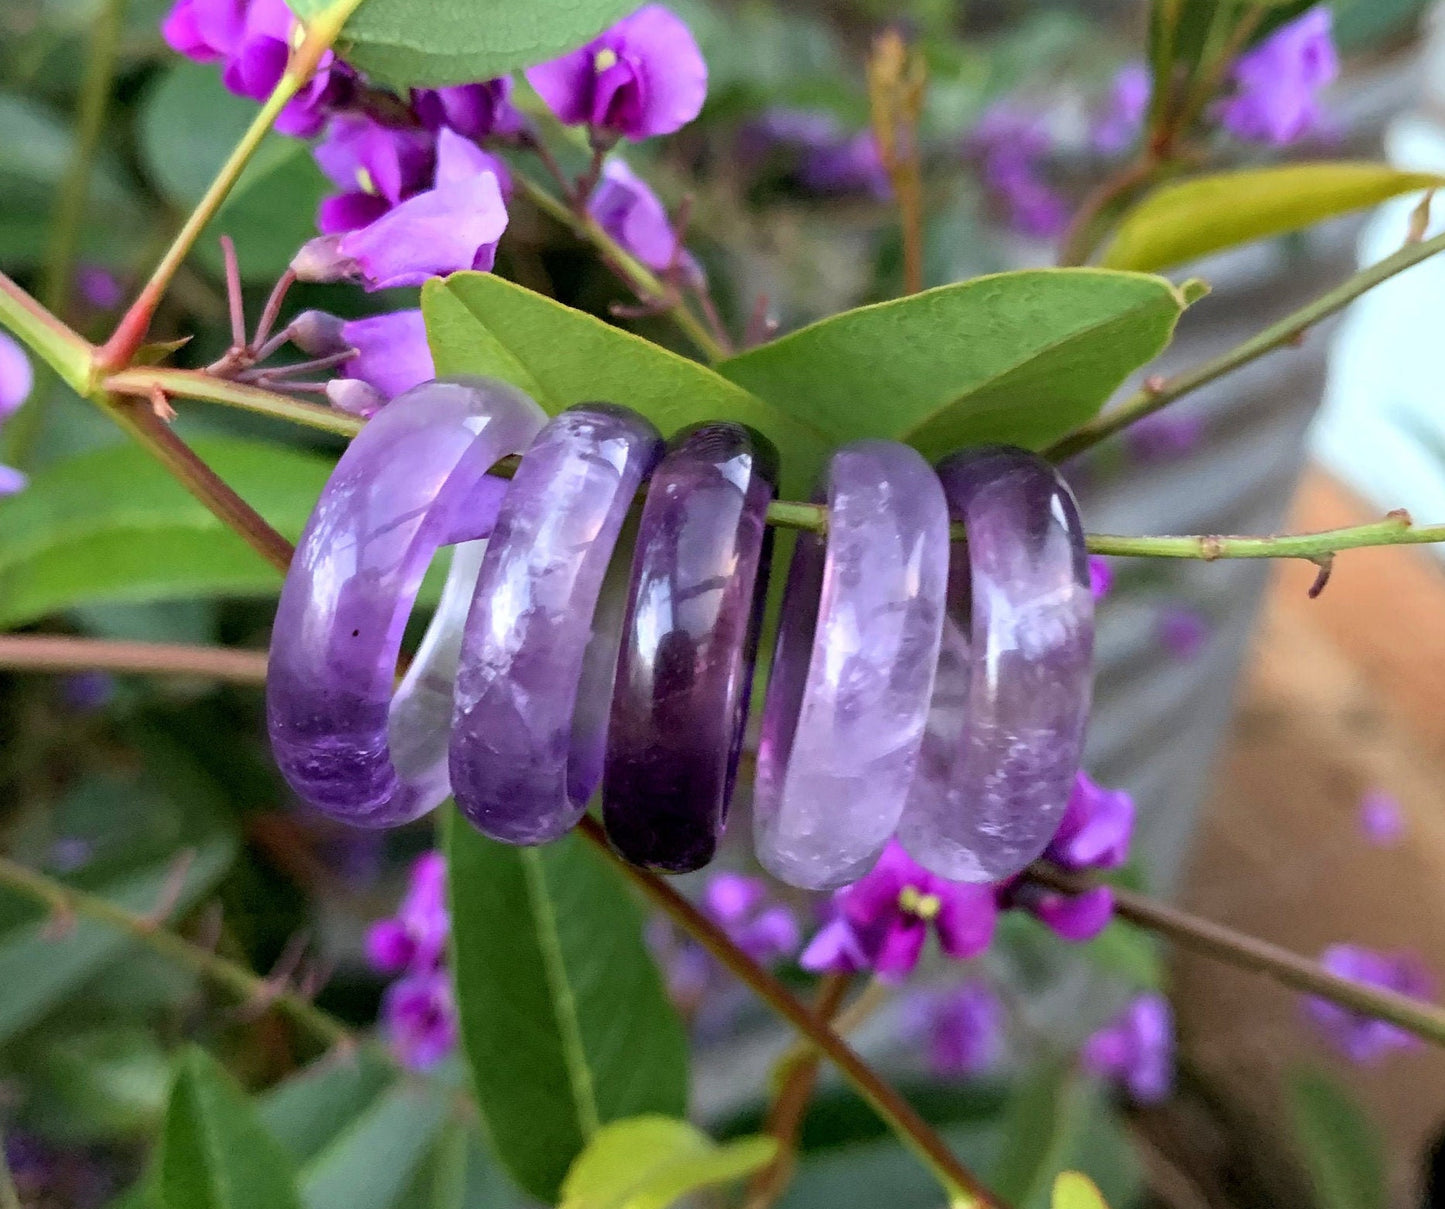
852, 672
1015, 673
414, 479
524, 760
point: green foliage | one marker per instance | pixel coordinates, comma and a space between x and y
1075, 1191
564, 1019
1021, 358
1341, 1150
429, 42
650, 1162
1182, 221
214, 1151
481, 324
113, 525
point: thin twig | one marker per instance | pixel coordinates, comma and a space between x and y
896, 81
62, 653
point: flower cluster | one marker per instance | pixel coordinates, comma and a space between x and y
1136, 1049
828, 159
1011, 145
1278, 83
417, 1011
17, 379
1361, 1038
962, 1028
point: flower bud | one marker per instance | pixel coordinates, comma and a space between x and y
318, 334
321, 260
355, 397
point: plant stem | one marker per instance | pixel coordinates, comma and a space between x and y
65, 351
246, 985
1425, 1020
639, 278
1395, 530
896, 81
960, 1184
62, 653
144, 381
1151, 398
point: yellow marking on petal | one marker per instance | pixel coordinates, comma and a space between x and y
364, 181
298, 35
914, 902
603, 59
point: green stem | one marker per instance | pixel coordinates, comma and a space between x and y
1155, 396
639, 278
247, 986
65, 351
144, 381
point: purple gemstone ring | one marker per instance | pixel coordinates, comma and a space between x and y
414, 479
684, 672
524, 760
853, 667
1015, 672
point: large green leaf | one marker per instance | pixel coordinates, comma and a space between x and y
1340, 1148
650, 1162
214, 1151
1021, 358
114, 525
314, 1107
411, 42
1180, 222
1075, 1191
479, 324
564, 1018
40, 967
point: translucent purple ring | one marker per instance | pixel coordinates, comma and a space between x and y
524, 759
689, 642
852, 672
414, 479
1011, 697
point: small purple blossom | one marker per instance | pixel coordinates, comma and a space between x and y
632, 214
847, 165
1361, 1038
1277, 84
475, 110
1010, 144
1164, 437
1182, 632
963, 1026
1101, 576
419, 1018
376, 166
642, 78
1123, 115
416, 937
1382, 821
766, 932
17, 376
1136, 1049
882, 920
830, 159
99, 287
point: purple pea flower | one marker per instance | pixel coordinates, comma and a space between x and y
1382, 822
882, 920
1182, 632
376, 166
1361, 1038
847, 165
1118, 125
17, 377
964, 1028
475, 110
643, 77
632, 214
257, 60
1101, 576
205, 30
765, 932
1010, 145
1165, 437
1277, 84
419, 1018
1136, 1049
392, 354
416, 937
99, 286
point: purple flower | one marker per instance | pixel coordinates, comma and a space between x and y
882, 920
1073, 917
631, 213
419, 1018
99, 286
851, 165
17, 377
392, 354
1101, 576
643, 77
1164, 437
1136, 1049
1097, 826
765, 932
257, 60
454, 225
1118, 125
1182, 632
964, 1027
205, 30
475, 110
1277, 84
1361, 1038
416, 937
376, 166
1010, 144
1382, 822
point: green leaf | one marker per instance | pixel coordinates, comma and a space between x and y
479, 324
1340, 1147
1018, 357
312, 1108
431, 42
113, 525
1073, 1190
649, 1162
214, 1151
563, 1015
40, 969
1180, 222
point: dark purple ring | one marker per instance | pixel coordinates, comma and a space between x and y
414, 479
524, 759
1015, 673
689, 643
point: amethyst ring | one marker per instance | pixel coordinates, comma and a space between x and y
524, 759
1011, 695
414, 479
853, 668
689, 642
